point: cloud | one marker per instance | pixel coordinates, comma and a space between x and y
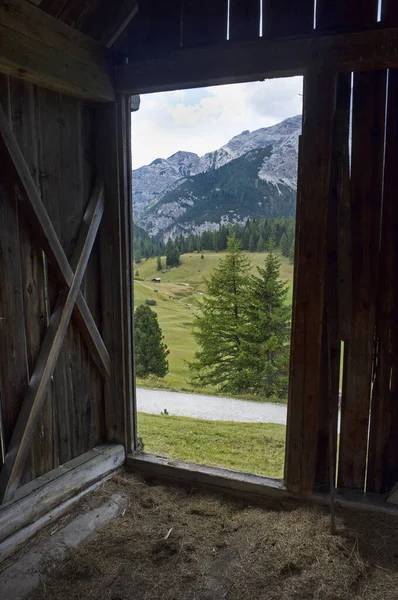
204, 119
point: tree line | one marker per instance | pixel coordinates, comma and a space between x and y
255, 236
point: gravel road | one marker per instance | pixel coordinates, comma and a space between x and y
209, 407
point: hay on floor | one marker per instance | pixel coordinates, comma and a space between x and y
219, 548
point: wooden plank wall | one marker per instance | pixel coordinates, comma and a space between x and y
361, 290
56, 137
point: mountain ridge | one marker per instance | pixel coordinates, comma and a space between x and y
254, 175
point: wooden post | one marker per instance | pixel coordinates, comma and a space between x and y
113, 140
310, 265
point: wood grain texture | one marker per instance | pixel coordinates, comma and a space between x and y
308, 301
57, 486
36, 210
330, 359
108, 160
369, 94
124, 129
24, 126
54, 337
383, 457
13, 351
37, 47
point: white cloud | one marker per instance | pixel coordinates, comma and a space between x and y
203, 120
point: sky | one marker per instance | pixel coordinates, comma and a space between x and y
202, 120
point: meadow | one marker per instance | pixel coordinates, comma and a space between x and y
257, 448
177, 297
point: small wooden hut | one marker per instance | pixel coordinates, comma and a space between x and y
67, 74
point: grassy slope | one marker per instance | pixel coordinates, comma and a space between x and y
250, 447
176, 304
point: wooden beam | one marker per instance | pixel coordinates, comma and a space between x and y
11, 155
38, 386
37, 47
309, 285
259, 59
42, 495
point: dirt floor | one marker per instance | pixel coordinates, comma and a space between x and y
222, 549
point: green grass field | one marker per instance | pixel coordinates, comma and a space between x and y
257, 448
177, 299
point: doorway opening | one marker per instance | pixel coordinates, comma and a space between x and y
214, 204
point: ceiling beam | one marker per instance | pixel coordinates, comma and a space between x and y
260, 59
37, 47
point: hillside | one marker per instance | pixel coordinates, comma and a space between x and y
252, 176
176, 299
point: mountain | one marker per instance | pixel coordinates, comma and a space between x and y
254, 175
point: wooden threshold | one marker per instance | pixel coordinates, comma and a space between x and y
255, 489
54, 489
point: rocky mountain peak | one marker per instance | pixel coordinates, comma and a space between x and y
262, 164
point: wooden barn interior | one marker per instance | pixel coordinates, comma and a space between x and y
70, 72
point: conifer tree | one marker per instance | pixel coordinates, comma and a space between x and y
150, 351
159, 264
261, 244
284, 245
267, 331
220, 322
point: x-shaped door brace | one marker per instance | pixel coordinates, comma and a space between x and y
70, 300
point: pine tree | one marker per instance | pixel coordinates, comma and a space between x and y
267, 333
150, 351
172, 254
252, 243
219, 324
284, 245
261, 244
159, 264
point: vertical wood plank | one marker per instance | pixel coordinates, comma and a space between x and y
336, 297
342, 191
125, 163
366, 186
107, 128
13, 364
244, 20
287, 17
204, 22
51, 184
26, 133
310, 265
381, 453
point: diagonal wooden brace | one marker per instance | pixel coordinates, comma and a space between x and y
38, 386
11, 153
